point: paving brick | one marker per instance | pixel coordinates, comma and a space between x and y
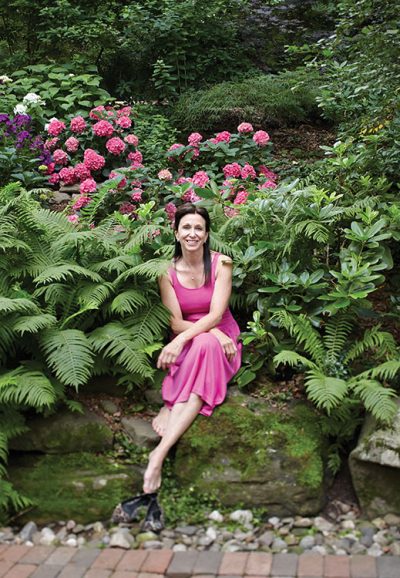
97, 573
46, 571
284, 565
258, 564
21, 571
389, 567
37, 555
72, 571
157, 562
207, 563
363, 567
2, 548
233, 563
5, 565
182, 564
108, 559
15, 553
61, 556
85, 557
151, 575
132, 560
310, 565
125, 574
337, 567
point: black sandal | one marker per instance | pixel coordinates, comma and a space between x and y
154, 520
126, 512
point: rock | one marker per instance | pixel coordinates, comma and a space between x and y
216, 516
319, 550
153, 396
47, 537
307, 542
153, 545
258, 457
291, 540
395, 549
392, 520
28, 531
381, 538
65, 432
108, 406
348, 525
188, 530
140, 432
278, 545
211, 533
357, 549
322, 524
375, 467
61, 534
121, 539
72, 542
266, 538
205, 541
375, 550
274, 521
241, 516
179, 548
50, 481
231, 546
59, 197
302, 523
146, 536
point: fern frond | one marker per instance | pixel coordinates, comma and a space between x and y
312, 230
23, 386
301, 329
150, 324
293, 359
128, 302
221, 246
377, 399
54, 222
34, 323
117, 264
374, 339
65, 271
54, 294
18, 305
386, 370
337, 331
89, 212
143, 234
8, 339
94, 294
152, 269
69, 354
326, 392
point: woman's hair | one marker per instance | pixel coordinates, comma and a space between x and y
190, 209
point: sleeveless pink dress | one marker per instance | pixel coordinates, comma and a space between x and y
202, 366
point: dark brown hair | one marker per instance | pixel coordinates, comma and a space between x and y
190, 209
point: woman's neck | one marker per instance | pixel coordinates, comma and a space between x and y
193, 259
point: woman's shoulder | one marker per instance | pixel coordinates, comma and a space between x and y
221, 258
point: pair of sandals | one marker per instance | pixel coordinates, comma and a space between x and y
127, 512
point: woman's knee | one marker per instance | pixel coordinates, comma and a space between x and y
205, 340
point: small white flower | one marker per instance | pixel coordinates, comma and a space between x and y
20, 109
32, 98
4, 79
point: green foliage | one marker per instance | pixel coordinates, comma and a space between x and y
268, 100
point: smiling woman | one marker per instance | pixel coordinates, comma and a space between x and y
203, 354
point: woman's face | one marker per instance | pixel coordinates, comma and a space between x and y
192, 232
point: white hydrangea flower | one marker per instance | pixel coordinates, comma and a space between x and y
4, 79
20, 109
32, 98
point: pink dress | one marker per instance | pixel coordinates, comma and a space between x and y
202, 366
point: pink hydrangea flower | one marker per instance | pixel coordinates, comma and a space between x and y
245, 127
200, 179
132, 139
135, 165
77, 124
223, 136
122, 182
73, 219
135, 157
82, 172
175, 146
261, 138
241, 197
248, 171
232, 170
68, 176
190, 196
54, 179
60, 157
263, 170
137, 195
96, 113
165, 175
124, 111
230, 212
103, 128
72, 144
50, 168
80, 202
124, 122
51, 143
93, 160
195, 153
87, 186
182, 180
55, 127
170, 209
194, 139
115, 146
267, 185
127, 208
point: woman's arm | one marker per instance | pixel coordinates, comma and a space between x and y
170, 300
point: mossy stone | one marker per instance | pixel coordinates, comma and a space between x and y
248, 453
65, 432
80, 486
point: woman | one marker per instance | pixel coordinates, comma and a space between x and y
203, 354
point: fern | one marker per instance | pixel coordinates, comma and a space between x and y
337, 332
23, 386
8, 305
69, 355
376, 398
386, 370
293, 359
128, 302
326, 392
373, 339
151, 269
65, 272
117, 264
34, 323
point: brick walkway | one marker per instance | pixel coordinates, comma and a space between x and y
64, 562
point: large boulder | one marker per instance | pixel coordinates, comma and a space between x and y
65, 432
375, 467
82, 486
252, 454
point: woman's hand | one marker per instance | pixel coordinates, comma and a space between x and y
170, 353
228, 345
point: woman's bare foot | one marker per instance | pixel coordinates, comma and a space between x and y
160, 422
152, 475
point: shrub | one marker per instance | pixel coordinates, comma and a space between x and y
266, 100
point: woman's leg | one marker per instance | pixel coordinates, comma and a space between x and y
160, 422
181, 417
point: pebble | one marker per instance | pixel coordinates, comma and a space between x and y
345, 534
